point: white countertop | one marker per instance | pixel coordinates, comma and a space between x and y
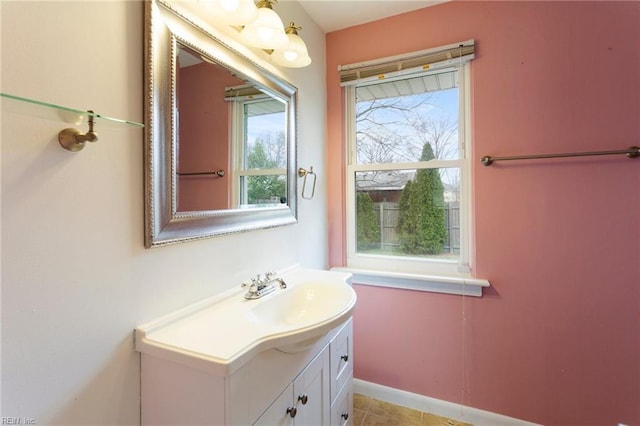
220, 334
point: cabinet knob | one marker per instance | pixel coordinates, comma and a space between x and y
292, 411
345, 358
303, 398
345, 416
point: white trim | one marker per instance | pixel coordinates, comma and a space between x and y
418, 165
439, 407
262, 172
460, 285
236, 143
350, 135
467, 240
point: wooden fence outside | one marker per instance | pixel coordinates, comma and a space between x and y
388, 215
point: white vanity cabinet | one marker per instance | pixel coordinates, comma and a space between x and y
312, 386
322, 393
306, 400
282, 359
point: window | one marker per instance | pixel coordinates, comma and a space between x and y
408, 185
262, 158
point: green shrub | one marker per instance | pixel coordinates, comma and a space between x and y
422, 222
368, 230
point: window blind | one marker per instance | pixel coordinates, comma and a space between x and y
243, 92
423, 60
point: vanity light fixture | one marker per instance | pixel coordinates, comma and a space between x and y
294, 54
233, 12
267, 30
261, 27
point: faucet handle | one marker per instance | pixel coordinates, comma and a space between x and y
252, 285
268, 275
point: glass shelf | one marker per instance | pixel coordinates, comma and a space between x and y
49, 111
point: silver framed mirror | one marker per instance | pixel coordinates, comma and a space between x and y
247, 120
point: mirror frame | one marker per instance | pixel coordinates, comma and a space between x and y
165, 27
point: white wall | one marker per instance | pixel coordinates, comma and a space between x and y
76, 278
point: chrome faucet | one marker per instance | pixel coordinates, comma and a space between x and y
259, 287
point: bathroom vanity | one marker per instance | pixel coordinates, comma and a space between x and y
284, 359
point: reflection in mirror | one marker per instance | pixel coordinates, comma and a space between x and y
203, 143
221, 118
220, 135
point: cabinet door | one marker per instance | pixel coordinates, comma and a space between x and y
281, 413
342, 408
311, 393
305, 402
341, 349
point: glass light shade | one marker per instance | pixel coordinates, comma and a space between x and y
229, 5
232, 12
266, 32
294, 54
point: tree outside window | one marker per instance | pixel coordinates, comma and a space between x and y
266, 155
421, 224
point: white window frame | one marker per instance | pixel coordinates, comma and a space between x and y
446, 276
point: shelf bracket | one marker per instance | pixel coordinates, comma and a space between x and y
74, 140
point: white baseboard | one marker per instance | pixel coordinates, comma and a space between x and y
459, 412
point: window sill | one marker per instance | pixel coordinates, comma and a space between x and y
460, 285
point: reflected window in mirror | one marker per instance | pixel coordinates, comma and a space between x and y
261, 152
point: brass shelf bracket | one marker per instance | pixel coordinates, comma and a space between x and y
74, 140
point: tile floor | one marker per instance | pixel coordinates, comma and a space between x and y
372, 412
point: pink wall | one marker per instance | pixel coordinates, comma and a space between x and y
204, 141
556, 339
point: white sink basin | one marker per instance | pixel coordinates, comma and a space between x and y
220, 334
303, 305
